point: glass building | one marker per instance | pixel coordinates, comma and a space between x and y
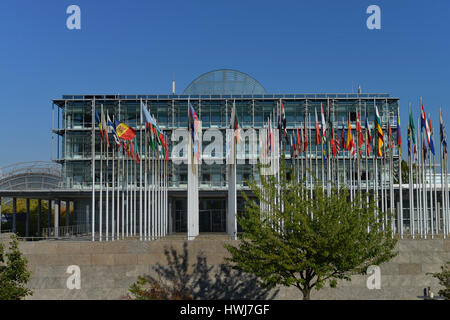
212, 96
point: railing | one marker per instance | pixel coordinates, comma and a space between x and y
66, 231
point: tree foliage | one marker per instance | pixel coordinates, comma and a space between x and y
444, 280
13, 272
33, 222
148, 288
305, 241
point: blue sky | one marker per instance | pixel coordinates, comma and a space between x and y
134, 47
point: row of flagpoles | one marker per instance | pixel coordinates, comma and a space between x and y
133, 183
427, 215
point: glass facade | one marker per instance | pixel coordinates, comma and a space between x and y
73, 129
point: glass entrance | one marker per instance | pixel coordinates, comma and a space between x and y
212, 215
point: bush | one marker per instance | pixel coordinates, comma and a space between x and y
13, 272
148, 288
444, 280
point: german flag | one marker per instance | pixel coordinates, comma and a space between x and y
124, 131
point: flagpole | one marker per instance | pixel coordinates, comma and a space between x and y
421, 159
431, 199
446, 192
419, 182
367, 155
358, 149
444, 224
375, 153
400, 172
145, 158
151, 221
100, 227
112, 195
437, 218
154, 221
106, 178
391, 186
93, 169
411, 176
344, 149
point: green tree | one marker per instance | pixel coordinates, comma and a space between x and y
308, 242
13, 272
444, 280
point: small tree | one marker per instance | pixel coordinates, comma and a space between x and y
13, 273
305, 241
444, 280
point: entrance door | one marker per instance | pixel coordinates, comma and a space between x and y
212, 215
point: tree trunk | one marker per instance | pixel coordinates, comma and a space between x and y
306, 294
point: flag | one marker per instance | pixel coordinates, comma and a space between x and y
411, 132
342, 142
333, 146
324, 125
294, 143
98, 122
443, 135
235, 125
431, 133
350, 146
380, 132
138, 160
317, 128
299, 144
283, 119
390, 146
113, 130
105, 128
124, 131
399, 134
359, 131
270, 136
193, 119
425, 125
292, 147
368, 136
305, 135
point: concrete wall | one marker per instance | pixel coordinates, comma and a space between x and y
108, 269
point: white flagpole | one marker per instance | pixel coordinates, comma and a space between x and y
140, 178
444, 224
135, 196
437, 220
127, 215
367, 156
419, 182
106, 179
375, 154
400, 177
100, 227
93, 169
145, 159
112, 195
423, 213
154, 221
151, 219
411, 179
447, 202
431, 200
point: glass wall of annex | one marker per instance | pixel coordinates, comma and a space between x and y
73, 124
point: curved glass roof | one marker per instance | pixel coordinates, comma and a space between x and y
224, 81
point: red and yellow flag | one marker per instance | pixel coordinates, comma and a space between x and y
124, 131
